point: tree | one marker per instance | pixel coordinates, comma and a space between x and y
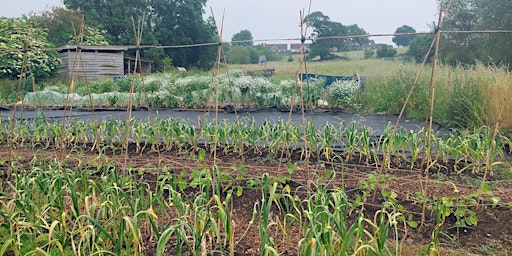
165, 23
403, 40
182, 23
113, 17
323, 27
245, 36
63, 27
356, 42
385, 51
15, 35
460, 47
419, 46
468, 48
495, 15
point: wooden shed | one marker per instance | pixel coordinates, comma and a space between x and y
92, 61
130, 64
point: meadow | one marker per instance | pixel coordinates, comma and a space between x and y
162, 187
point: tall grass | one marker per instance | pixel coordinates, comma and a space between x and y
467, 97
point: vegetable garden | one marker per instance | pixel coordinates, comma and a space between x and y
86, 182
162, 186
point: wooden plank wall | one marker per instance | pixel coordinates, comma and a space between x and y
92, 65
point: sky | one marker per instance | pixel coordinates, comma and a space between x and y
269, 20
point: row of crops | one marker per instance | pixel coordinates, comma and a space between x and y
172, 90
474, 150
75, 188
60, 208
67, 206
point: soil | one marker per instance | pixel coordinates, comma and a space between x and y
492, 235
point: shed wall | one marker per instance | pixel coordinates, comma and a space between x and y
92, 64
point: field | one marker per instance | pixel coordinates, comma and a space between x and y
163, 186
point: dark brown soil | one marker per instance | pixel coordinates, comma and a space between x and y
492, 235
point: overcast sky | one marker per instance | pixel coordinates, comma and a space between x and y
280, 19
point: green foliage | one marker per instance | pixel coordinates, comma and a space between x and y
470, 48
290, 58
161, 27
64, 27
167, 64
324, 27
388, 93
112, 16
465, 97
90, 36
419, 47
82, 205
368, 53
385, 51
238, 55
404, 40
244, 35
8, 89
355, 30
465, 106
15, 36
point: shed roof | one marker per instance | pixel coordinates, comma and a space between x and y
93, 48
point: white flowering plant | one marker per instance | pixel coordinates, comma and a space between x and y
344, 94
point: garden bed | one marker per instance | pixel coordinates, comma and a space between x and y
302, 180
250, 184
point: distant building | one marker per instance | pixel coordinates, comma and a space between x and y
355, 46
369, 45
277, 48
295, 48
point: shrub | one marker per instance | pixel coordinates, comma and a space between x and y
385, 51
368, 53
41, 62
238, 55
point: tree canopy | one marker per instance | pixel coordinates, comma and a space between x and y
16, 35
323, 28
472, 15
419, 47
466, 47
165, 23
355, 30
404, 40
244, 35
63, 26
